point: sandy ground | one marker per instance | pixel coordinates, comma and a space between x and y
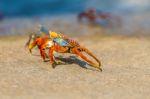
125, 63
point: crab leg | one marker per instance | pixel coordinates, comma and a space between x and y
89, 53
51, 54
43, 54
78, 52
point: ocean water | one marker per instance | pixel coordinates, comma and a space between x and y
54, 7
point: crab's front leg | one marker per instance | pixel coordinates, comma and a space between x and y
43, 54
53, 61
51, 56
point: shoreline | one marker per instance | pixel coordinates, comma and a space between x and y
68, 24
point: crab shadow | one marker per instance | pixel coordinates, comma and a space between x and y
73, 60
35, 55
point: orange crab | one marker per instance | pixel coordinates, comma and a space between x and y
73, 48
97, 17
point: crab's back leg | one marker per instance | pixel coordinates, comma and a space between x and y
89, 53
79, 53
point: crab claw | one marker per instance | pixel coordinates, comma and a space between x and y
97, 66
100, 67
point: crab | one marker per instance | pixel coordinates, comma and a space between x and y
96, 17
89, 14
73, 48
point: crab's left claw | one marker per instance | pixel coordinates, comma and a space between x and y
30, 47
30, 51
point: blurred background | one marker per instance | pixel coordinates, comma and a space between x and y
19, 17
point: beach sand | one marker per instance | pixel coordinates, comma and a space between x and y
125, 64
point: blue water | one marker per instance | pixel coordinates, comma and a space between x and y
53, 7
